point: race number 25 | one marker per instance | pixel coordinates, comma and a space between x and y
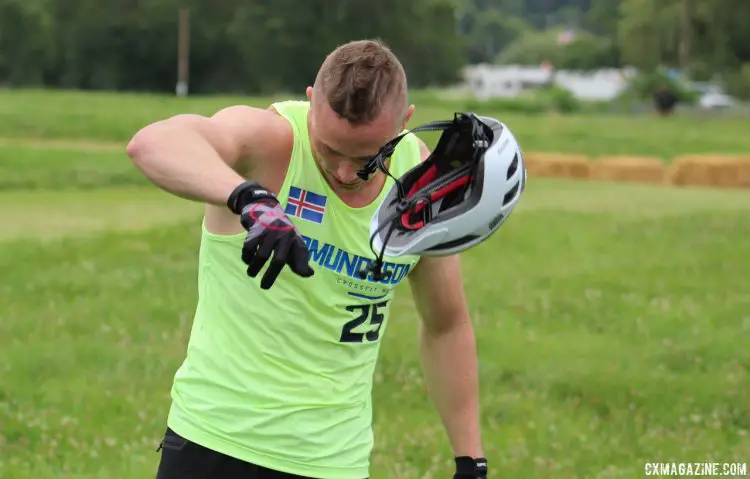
365, 313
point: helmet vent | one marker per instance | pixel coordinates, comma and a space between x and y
454, 243
510, 194
513, 167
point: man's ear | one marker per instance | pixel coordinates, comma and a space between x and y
308, 93
407, 116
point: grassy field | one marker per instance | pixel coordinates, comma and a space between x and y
612, 326
28, 116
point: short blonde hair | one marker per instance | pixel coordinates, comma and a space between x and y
359, 78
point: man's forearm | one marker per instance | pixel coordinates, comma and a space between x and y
449, 363
182, 162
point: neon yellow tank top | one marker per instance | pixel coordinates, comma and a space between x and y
283, 377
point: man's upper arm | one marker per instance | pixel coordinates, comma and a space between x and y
241, 135
437, 286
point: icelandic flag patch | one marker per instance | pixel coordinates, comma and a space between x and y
306, 205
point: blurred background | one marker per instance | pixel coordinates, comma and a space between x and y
611, 309
687, 53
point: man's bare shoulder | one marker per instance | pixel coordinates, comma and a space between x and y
424, 150
255, 127
258, 136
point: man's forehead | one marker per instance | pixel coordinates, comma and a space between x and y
357, 140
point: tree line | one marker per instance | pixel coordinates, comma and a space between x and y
268, 46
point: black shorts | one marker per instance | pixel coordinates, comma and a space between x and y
183, 459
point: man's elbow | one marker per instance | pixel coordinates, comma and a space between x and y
138, 143
456, 322
158, 134
145, 138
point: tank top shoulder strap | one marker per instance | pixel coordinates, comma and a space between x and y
301, 167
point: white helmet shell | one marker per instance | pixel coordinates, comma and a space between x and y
474, 207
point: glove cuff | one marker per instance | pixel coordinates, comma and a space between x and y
471, 467
248, 192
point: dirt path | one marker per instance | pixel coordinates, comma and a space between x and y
85, 212
83, 144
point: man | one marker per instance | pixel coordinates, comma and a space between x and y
278, 374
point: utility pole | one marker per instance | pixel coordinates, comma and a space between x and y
183, 52
685, 36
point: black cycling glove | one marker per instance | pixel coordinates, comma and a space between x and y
470, 468
269, 231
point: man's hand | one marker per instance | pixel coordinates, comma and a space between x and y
269, 231
470, 468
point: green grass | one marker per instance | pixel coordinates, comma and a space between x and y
612, 324
612, 328
104, 117
32, 168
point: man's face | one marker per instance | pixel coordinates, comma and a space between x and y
341, 149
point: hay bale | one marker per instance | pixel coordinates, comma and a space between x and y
638, 169
556, 165
720, 171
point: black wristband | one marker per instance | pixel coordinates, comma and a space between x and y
247, 192
471, 467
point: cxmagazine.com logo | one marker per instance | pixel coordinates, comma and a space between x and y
700, 469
